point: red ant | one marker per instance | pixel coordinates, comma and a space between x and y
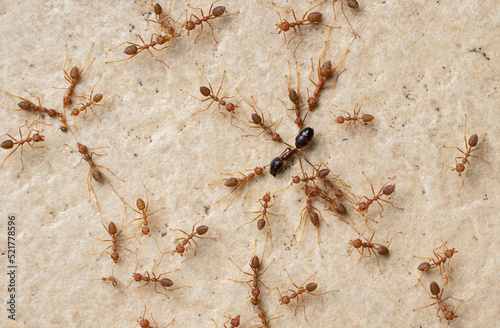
165, 22
365, 118
460, 167
436, 295
164, 282
114, 234
311, 212
370, 247
308, 289
324, 74
285, 26
440, 261
30, 140
234, 322
94, 169
217, 12
236, 183
142, 210
259, 122
386, 190
209, 93
255, 265
25, 104
144, 323
261, 223
74, 76
134, 49
200, 231
91, 101
294, 97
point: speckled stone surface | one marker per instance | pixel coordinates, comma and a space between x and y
421, 66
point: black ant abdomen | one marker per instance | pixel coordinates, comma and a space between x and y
276, 165
304, 137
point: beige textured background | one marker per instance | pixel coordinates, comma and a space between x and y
421, 66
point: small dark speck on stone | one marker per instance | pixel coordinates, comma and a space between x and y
157, 90
345, 139
163, 234
135, 154
140, 83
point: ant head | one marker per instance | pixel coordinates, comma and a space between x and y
283, 26
299, 121
310, 287
235, 322
363, 206
449, 252
258, 170
137, 276
51, 112
357, 243
75, 112
312, 102
255, 293
66, 101
285, 299
255, 262
190, 25
449, 315
145, 230
296, 179
81, 148
144, 323
161, 39
201, 230
460, 168
115, 257
180, 249
276, 137
37, 137
267, 197
230, 107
